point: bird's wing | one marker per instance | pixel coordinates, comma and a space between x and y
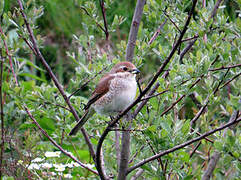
101, 89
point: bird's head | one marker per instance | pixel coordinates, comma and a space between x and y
125, 67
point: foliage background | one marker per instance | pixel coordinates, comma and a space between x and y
76, 50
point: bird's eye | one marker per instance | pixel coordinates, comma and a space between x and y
125, 68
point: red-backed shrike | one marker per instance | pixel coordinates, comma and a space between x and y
115, 91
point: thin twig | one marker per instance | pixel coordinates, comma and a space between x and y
189, 39
207, 101
230, 80
137, 152
179, 99
102, 6
186, 49
225, 67
85, 10
214, 11
172, 21
87, 82
155, 35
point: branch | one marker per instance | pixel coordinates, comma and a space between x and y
117, 147
157, 32
144, 100
85, 10
214, 11
231, 80
55, 143
227, 67
2, 118
125, 150
172, 21
134, 29
186, 49
137, 175
149, 85
102, 6
180, 146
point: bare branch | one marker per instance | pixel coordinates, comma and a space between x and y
134, 29
102, 6
125, 150
117, 147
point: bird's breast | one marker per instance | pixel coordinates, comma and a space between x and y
121, 94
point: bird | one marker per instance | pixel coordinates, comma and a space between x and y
114, 92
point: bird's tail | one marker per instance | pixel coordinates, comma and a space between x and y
88, 113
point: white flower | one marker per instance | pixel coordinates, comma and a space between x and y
68, 176
59, 167
70, 165
53, 154
46, 165
33, 166
37, 160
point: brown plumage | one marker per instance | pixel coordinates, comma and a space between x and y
114, 92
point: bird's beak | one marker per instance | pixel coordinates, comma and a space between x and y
135, 71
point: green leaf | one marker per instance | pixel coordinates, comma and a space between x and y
218, 145
46, 123
32, 76
235, 101
184, 156
28, 85
30, 63
186, 127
